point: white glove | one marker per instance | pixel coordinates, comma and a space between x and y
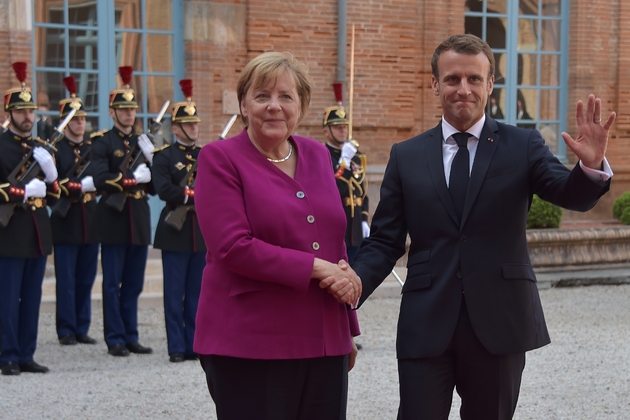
87, 184
146, 146
366, 229
36, 188
142, 174
47, 164
347, 153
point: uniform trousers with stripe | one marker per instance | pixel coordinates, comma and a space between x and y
20, 299
182, 284
75, 271
123, 279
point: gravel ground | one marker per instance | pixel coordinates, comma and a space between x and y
583, 374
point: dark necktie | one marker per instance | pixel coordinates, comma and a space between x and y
458, 181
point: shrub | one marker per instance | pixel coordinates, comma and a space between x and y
621, 208
543, 215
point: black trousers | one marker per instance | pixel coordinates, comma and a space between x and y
487, 384
300, 389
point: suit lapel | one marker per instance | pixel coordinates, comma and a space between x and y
486, 147
435, 161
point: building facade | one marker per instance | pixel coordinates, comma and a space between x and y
549, 54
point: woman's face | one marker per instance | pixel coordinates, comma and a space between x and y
273, 110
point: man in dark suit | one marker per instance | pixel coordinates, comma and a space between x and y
45, 127
495, 109
470, 307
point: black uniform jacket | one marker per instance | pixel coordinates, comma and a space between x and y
485, 258
77, 227
132, 225
352, 185
171, 164
28, 234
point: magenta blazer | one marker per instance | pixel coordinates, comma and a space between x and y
263, 230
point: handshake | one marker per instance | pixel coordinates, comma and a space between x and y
340, 280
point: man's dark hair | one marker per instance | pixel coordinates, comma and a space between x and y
463, 44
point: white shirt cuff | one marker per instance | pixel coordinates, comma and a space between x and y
595, 175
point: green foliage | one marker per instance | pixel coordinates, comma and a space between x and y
543, 215
621, 208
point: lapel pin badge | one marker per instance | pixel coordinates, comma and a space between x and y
490, 139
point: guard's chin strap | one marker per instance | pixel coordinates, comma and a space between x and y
185, 133
15, 125
333, 135
116, 118
11, 117
76, 136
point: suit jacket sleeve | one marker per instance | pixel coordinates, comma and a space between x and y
550, 181
388, 232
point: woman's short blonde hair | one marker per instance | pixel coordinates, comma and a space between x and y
269, 66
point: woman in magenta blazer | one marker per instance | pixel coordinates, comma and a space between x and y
273, 344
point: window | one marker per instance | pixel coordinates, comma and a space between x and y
528, 38
91, 39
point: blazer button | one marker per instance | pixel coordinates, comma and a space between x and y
459, 274
300, 194
310, 218
464, 238
315, 246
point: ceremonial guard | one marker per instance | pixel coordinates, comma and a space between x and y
121, 163
178, 235
27, 177
72, 219
350, 166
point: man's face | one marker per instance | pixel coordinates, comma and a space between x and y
185, 132
124, 118
463, 87
22, 121
76, 128
336, 135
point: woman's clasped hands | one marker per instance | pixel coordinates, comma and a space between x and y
340, 280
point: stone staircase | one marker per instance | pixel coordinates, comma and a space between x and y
561, 258
151, 293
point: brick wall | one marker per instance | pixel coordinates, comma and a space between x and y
15, 42
394, 41
15, 46
599, 54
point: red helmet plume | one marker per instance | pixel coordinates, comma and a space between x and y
125, 74
338, 87
71, 85
20, 70
187, 88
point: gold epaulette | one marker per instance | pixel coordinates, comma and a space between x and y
159, 149
100, 133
